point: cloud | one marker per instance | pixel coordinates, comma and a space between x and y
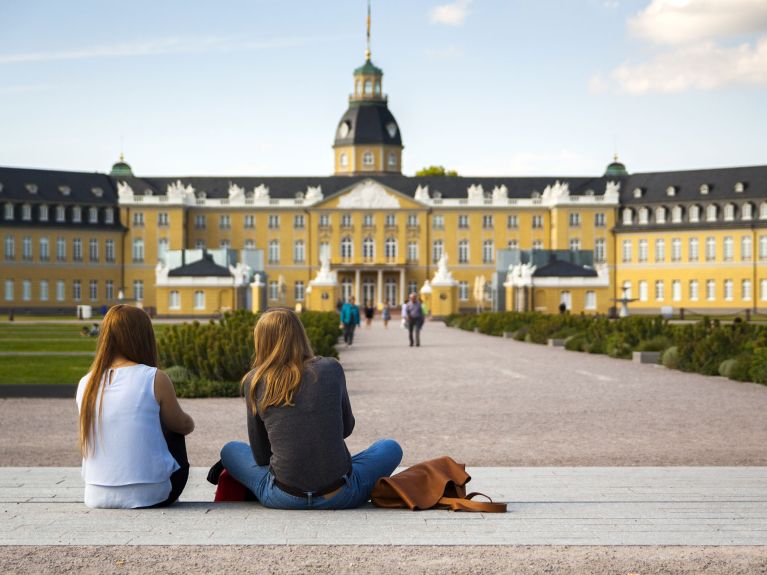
598, 84
685, 21
452, 14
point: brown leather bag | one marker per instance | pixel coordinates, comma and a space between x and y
439, 483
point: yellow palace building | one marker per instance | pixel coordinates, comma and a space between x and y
196, 246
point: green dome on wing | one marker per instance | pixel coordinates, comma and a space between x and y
616, 169
121, 168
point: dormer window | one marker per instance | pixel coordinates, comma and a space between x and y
109, 216
26, 212
42, 213
671, 191
93, 215
711, 213
638, 192
747, 211
676, 214
77, 214
31, 188
740, 187
98, 192
61, 214
8, 211
628, 216
660, 215
644, 215
694, 214
149, 192
763, 211
65, 190
729, 212
536, 194
704, 189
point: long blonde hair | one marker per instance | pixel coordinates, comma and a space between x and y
282, 351
125, 331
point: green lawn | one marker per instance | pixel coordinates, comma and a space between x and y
47, 344
50, 369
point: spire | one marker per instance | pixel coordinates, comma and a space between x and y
367, 50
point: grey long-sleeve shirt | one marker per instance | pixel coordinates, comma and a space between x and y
304, 443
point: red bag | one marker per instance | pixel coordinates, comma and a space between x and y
229, 489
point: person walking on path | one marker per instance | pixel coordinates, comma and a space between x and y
298, 415
386, 314
350, 318
369, 313
414, 315
131, 426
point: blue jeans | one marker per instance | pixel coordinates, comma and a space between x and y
378, 460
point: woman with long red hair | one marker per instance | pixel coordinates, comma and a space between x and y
132, 427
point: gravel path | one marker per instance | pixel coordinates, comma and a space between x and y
484, 400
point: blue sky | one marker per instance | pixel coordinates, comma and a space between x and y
487, 87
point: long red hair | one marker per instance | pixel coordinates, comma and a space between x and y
125, 331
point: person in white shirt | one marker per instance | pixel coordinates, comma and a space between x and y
132, 427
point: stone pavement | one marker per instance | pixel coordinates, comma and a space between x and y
547, 506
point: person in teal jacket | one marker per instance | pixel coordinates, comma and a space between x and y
350, 318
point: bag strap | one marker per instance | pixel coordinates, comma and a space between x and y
466, 504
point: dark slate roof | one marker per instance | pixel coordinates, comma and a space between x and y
561, 269
367, 125
721, 183
14, 183
205, 267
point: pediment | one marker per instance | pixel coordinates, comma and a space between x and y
370, 194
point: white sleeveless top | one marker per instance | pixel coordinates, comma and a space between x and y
130, 465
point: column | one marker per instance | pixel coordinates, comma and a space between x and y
357, 286
402, 294
379, 289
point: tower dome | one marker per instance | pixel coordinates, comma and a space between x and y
616, 169
121, 168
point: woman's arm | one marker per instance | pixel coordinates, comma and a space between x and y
257, 436
346, 405
171, 414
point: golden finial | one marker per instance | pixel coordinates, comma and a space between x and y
367, 51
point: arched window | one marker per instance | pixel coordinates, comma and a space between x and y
378, 87
299, 252
644, 215
437, 249
138, 250
368, 159
729, 212
274, 251
488, 251
343, 159
694, 214
747, 211
660, 215
463, 252
763, 211
26, 212
368, 248
392, 160
368, 87
391, 248
347, 248
628, 216
677, 213
711, 212
357, 87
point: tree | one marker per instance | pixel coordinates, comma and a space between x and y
435, 171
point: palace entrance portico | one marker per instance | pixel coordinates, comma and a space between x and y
372, 283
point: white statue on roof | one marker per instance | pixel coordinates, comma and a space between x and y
177, 191
476, 193
612, 191
313, 193
422, 194
500, 193
261, 192
236, 192
124, 191
556, 191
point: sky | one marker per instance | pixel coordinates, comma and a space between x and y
485, 87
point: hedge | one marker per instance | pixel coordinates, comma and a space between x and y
209, 359
703, 347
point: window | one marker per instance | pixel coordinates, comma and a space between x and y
390, 221
575, 244
199, 222
390, 248
60, 290
77, 250
628, 216
8, 211
463, 252
762, 247
438, 222
368, 88
488, 251
138, 289
324, 220
591, 300
626, 289
298, 222
174, 300
93, 250
61, 250
299, 291
747, 211
347, 248
763, 211
10, 247
728, 296
93, 290
61, 214
250, 244
26, 212
26, 290
676, 250
693, 247
512, 222
299, 252
138, 218
694, 214
42, 213
660, 250
392, 156
109, 216
367, 220
537, 245
599, 250
346, 221
162, 219
643, 250
537, 221
745, 289
644, 216
710, 249
93, 215
77, 290
763, 290
199, 244
224, 222
729, 212
368, 159
109, 290
138, 251
274, 251
225, 244
250, 221
728, 249
109, 251
437, 248
412, 252
746, 251
487, 221
344, 159
324, 251
45, 251
676, 290
8, 290
274, 290
574, 220
463, 291
26, 249
412, 220
642, 290
626, 251
199, 299
660, 215
44, 290
711, 213
710, 290
676, 214
693, 290
599, 220
77, 215
659, 290
162, 249
412, 286
512, 245
368, 248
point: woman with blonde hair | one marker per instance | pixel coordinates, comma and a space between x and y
298, 415
131, 426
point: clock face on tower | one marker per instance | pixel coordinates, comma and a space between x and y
391, 127
343, 130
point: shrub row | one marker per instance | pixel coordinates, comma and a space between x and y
737, 350
209, 359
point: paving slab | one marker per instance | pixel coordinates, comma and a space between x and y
547, 506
